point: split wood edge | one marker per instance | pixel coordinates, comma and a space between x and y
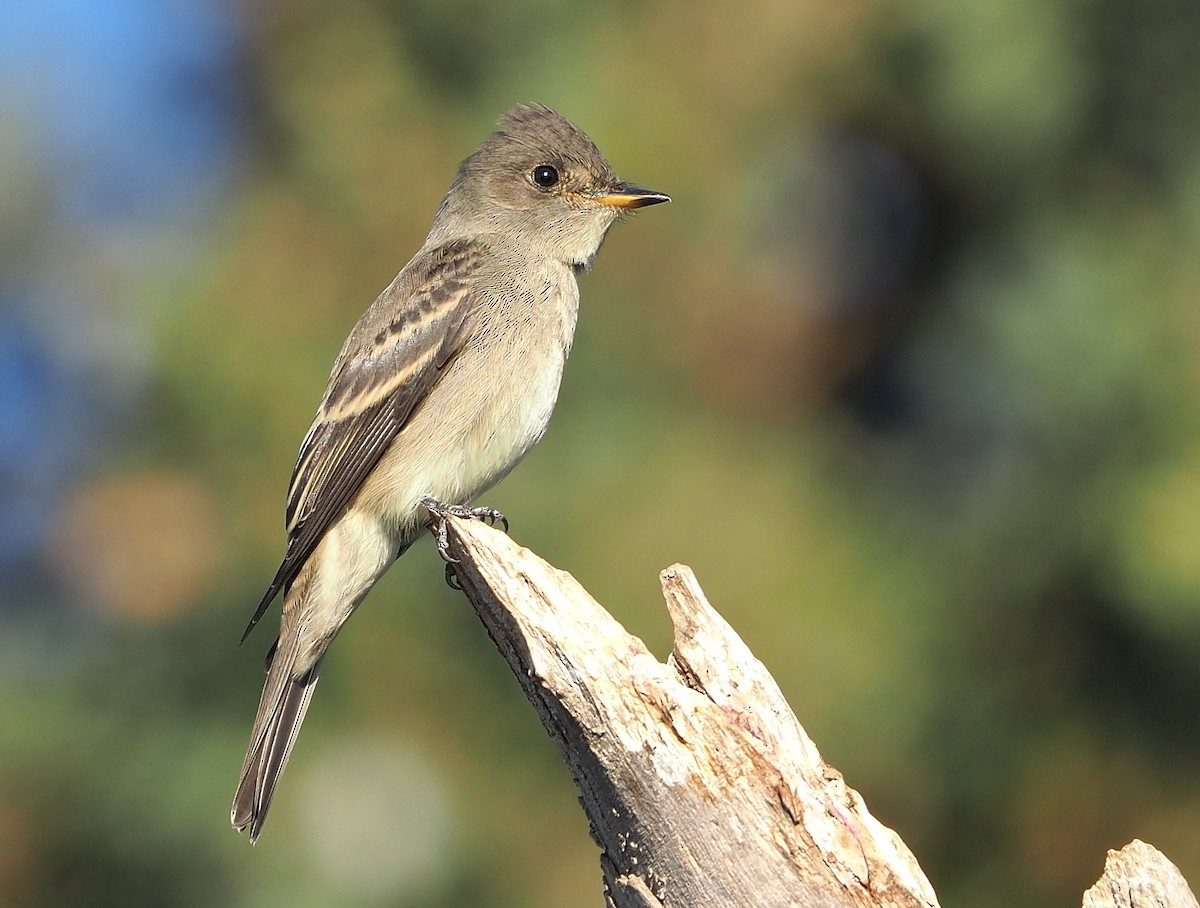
700, 785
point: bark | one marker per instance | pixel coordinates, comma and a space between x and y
1139, 876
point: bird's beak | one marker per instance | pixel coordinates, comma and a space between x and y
626, 195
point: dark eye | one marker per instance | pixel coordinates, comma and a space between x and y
544, 176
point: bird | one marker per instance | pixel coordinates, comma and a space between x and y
444, 384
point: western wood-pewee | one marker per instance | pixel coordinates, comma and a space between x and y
445, 383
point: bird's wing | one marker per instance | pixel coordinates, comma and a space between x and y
372, 393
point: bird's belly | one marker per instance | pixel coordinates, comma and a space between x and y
505, 425
481, 422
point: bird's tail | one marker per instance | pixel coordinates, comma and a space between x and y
281, 710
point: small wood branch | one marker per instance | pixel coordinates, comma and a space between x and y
699, 783
1139, 876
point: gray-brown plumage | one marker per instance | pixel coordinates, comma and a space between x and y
445, 383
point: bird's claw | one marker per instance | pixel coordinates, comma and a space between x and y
438, 512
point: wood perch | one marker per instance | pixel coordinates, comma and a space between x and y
700, 786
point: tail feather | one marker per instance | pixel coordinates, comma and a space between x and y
281, 710
310, 620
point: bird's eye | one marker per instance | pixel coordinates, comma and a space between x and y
544, 176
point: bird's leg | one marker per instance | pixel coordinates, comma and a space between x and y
438, 512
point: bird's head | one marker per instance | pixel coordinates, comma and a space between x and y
540, 180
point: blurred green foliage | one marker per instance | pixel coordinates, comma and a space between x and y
907, 372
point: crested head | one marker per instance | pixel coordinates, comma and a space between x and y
536, 129
538, 183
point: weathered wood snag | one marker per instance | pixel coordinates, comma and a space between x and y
700, 785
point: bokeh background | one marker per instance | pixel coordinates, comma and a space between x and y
907, 372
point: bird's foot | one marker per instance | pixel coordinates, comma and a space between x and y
439, 511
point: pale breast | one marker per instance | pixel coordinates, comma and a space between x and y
491, 404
